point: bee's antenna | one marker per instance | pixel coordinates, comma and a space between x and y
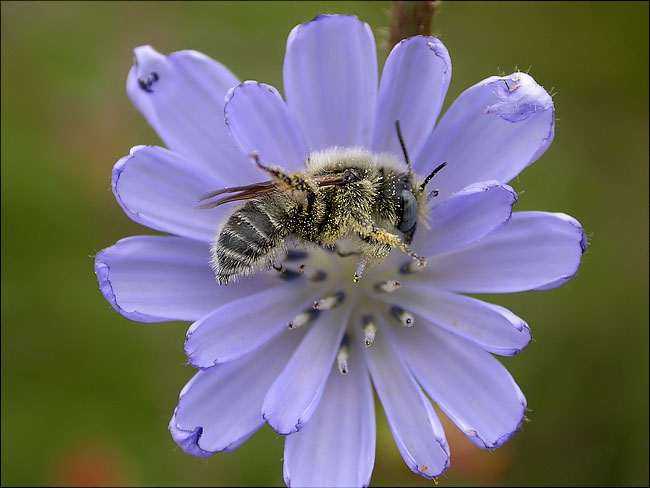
401, 141
431, 175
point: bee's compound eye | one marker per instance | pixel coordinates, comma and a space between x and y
409, 208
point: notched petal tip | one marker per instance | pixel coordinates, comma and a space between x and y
434, 45
149, 66
427, 471
581, 238
102, 271
118, 169
274, 423
191, 351
328, 17
577, 225
492, 185
147, 58
242, 85
188, 440
482, 443
519, 96
191, 361
515, 350
325, 18
239, 88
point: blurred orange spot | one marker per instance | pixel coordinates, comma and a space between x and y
470, 462
90, 465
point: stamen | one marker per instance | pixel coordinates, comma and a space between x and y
343, 254
294, 255
412, 267
369, 330
329, 302
388, 286
285, 273
303, 318
360, 267
342, 355
312, 274
403, 317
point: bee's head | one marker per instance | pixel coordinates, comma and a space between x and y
407, 206
409, 194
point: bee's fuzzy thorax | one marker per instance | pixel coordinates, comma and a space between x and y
341, 157
343, 193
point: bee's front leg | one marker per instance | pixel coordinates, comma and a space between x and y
373, 234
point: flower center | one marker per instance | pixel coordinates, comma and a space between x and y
333, 271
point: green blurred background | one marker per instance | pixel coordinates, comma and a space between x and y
86, 394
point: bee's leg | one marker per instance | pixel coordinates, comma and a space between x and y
291, 181
370, 232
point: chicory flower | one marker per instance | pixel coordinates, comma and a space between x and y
264, 353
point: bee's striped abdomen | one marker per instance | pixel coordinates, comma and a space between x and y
248, 239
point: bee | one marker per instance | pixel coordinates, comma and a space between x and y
344, 193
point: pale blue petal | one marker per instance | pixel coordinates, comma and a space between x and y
330, 80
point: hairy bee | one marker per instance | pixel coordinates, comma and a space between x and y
343, 193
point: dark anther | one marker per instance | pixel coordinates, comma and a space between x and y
304, 318
396, 311
285, 273
402, 316
294, 255
145, 83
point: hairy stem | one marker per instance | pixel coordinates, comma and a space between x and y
410, 18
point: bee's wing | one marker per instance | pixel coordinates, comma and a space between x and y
245, 192
341, 178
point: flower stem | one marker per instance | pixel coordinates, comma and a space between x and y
410, 18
